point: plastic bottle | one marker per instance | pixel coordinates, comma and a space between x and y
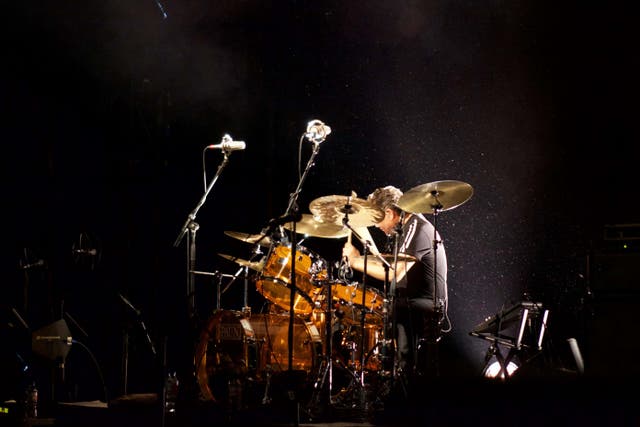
171, 393
32, 401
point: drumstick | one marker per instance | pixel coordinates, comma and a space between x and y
366, 235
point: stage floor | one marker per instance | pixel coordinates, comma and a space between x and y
439, 402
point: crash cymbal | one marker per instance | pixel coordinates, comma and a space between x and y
249, 238
310, 226
437, 196
254, 265
332, 209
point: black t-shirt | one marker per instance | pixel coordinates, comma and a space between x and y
417, 240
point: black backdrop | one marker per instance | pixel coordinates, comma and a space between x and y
107, 108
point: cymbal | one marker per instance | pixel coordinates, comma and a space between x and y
254, 265
402, 257
250, 238
332, 209
437, 196
310, 226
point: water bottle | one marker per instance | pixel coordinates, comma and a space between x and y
32, 401
171, 393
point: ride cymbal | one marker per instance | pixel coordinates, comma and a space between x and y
437, 196
250, 238
334, 208
254, 265
309, 226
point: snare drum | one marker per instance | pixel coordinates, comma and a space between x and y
274, 282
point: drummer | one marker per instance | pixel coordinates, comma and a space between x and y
417, 320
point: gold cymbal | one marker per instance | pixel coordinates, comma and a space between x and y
437, 196
334, 208
250, 238
310, 226
402, 257
254, 265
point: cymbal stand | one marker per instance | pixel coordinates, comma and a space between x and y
246, 309
365, 245
392, 296
325, 373
438, 309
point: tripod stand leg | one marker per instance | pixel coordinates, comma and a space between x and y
320, 398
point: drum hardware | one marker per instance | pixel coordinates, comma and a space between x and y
364, 210
191, 226
316, 133
266, 399
434, 198
143, 327
325, 374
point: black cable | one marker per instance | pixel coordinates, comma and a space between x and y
95, 361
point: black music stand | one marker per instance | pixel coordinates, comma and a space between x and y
520, 328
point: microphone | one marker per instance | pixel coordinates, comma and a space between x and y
86, 251
128, 303
317, 131
228, 145
55, 338
39, 263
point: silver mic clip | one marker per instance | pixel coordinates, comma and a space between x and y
317, 131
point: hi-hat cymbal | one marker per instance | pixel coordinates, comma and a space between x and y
312, 227
437, 196
334, 208
254, 265
250, 238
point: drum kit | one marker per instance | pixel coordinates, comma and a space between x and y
337, 333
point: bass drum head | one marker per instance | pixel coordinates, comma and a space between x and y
225, 354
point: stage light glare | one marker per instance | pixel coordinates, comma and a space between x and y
493, 370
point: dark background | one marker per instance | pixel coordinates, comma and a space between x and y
107, 107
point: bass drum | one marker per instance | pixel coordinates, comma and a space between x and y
236, 355
225, 355
271, 337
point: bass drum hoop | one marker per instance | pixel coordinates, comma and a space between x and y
226, 351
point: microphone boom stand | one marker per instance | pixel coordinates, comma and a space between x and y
192, 226
291, 213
